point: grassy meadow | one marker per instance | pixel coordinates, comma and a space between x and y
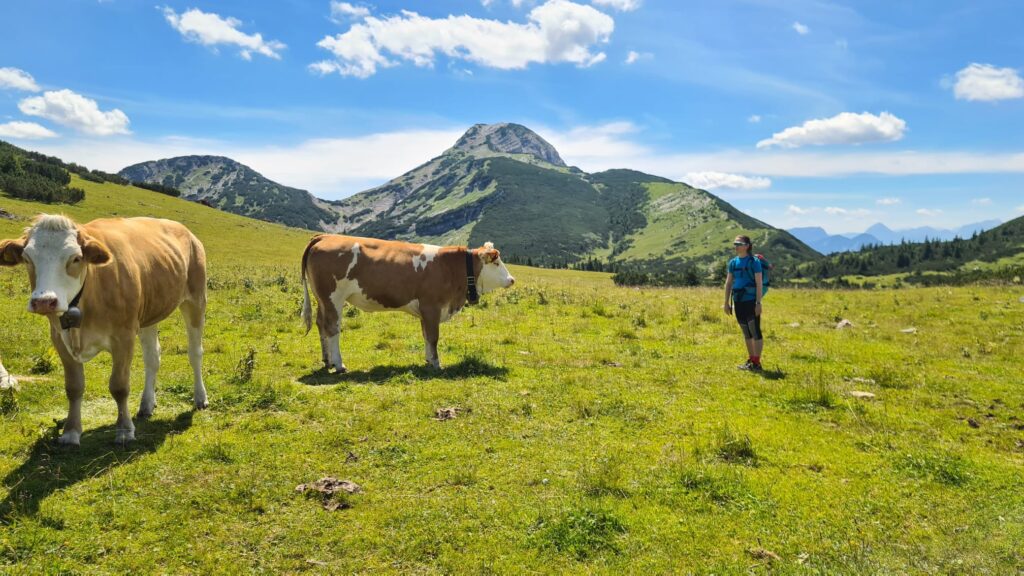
597, 430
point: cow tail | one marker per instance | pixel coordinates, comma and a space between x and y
307, 304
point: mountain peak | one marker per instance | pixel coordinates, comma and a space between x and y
507, 138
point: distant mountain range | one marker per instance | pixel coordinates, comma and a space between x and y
503, 183
826, 243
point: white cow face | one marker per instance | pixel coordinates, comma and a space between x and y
493, 274
56, 254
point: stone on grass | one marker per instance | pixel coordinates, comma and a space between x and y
862, 394
844, 323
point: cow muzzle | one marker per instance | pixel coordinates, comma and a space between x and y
45, 304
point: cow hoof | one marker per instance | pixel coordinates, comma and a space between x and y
202, 404
145, 413
124, 437
70, 438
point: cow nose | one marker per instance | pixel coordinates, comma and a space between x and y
511, 281
43, 305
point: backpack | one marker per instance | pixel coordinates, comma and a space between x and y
766, 268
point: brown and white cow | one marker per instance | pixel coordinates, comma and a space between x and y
103, 284
429, 282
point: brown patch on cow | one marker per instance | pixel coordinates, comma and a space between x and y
333, 493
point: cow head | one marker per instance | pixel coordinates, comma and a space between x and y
493, 274
56, 253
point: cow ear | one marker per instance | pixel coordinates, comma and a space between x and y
10, 252
93, 251
491, 255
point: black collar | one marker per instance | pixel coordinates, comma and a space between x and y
73, 317
472, 296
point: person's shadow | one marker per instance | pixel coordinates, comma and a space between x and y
51, 467
466, 368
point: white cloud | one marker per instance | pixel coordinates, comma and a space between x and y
74, 110
984, 82
715, 180
557, 31
856, 213
1020, 208
633, 56
754, 119
801, 29
15, 79
981, 201
891, 201
623, 5
25, 131
211, 29
341, 11
928, 212
798, 211
844, 128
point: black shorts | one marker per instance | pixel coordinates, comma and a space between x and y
748, 320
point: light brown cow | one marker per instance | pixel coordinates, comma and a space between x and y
103, 284
429, 282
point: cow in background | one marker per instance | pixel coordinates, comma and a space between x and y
431, 283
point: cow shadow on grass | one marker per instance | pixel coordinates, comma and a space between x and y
466, 368
51, 467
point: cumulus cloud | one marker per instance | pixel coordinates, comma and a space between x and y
25, 131
844, 128
622, 5
15, 79
714, 180
801, 29
984, 82
211, 30
928, 212
794, 210
341, 11
557, 31
890, 201
633, 56
70, 109
836, 211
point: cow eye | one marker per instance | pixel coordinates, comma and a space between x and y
76, 260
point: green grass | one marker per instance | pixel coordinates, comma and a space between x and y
600, 430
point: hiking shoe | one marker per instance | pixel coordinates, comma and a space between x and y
755, 367
748, 365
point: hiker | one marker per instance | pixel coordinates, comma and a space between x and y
743, 290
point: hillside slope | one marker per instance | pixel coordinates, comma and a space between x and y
233, 187
1000, 246
502, 182
230, 239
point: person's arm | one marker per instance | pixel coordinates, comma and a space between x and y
727, 307
759, 282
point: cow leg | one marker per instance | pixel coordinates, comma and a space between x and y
430, 322
74, 388
322, 332
329, 324
195, 321
121, 353
151, 359
6, 380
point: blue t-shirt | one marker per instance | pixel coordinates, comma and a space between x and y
741, 279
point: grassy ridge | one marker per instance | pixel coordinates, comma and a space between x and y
600, 430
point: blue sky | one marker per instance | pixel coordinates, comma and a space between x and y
800, 113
